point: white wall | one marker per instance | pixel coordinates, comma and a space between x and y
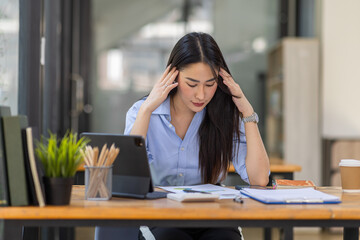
340, 33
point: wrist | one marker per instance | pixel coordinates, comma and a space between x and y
145, 110
247, 112
244, 107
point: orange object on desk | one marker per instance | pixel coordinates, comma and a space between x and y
81, 168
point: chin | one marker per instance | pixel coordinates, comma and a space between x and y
197, 110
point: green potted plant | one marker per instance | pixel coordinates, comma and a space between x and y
60, 160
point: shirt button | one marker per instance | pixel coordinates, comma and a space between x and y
180, 174
170, 125
182, 149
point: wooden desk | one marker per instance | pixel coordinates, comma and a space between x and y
278, 170
168, 213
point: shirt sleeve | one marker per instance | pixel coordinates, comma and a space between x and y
129, 123
239, 154
130, 119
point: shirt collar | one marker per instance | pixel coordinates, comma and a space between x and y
164, 109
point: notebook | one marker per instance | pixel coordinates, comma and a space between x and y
131, 171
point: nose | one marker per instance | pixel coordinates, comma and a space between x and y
200, 93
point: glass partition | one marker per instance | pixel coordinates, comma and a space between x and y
9, 53
133, 39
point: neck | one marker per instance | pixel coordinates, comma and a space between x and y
177, 107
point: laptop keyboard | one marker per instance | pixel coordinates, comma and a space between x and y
156, 195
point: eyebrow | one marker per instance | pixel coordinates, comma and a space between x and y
194, 80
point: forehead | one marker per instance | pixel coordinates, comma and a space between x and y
199, 71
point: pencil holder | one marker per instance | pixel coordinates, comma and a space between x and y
98, 182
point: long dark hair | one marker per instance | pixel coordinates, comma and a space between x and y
221, 122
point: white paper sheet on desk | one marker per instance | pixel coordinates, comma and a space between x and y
290, 196
224, 192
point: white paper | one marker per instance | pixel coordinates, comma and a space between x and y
303, 195
193, 197
223, 192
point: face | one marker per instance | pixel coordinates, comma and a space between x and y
197, 86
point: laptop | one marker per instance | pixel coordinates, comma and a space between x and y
131, 171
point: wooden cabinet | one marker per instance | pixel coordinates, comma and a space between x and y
292, 119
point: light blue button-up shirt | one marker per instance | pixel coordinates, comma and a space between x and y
175, 161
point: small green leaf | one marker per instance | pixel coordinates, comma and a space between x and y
60, 158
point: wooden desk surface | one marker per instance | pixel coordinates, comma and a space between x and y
165, 209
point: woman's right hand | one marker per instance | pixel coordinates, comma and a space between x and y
161, 89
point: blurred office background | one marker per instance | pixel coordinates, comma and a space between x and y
80, 64
133, 40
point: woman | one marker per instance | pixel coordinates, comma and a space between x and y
196, 121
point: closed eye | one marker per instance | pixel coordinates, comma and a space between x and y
210, 85
190, 85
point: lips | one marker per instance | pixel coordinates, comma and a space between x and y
198, 104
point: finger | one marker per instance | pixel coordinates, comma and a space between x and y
164, 79
232, 85
172, 78
227, 77
168, 75
170, 87
224, 72
228, 83
234, 88
165, 73
224, 75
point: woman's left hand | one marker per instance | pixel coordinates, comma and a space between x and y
239, 98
